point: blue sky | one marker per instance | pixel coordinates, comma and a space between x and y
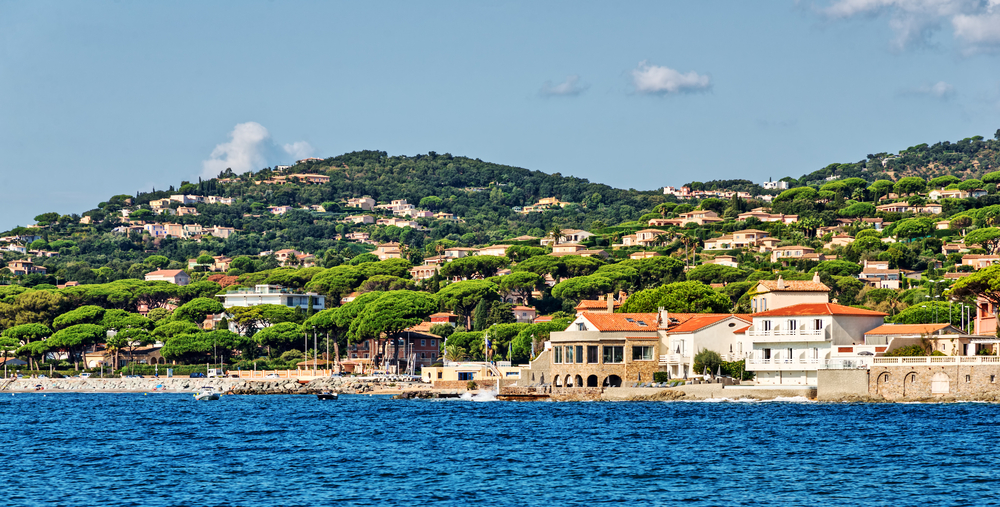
101, 98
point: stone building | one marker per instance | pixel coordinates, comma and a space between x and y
605, 350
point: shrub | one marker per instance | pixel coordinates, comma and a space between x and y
472, 386
707, 360
661, 376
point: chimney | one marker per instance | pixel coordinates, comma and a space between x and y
781, 283
816, 277
611, 304
664, 317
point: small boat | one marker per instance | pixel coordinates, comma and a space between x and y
327, 395
207, 393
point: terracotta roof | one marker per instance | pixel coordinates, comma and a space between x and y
443, 314
741, 330
698, 321
818, 309
877, 271
165, 272
795, 286
955, 276
908, 329
794, 247
622, 321
749, 231
590, 303
524, 308
543, 318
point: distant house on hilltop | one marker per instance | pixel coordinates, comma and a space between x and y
174, 276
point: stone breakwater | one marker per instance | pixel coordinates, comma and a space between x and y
183, 385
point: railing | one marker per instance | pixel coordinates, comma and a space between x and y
674, 358
936, 360
782, 364
785, 332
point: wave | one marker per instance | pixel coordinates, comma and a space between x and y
480, 396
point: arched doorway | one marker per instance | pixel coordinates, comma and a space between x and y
592, 381
579, 381
940, 383
557, 382
569, 381
613, 381
908, 381
881, 382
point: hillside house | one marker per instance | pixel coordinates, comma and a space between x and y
458, 252
495, 250
878, 274
955, 193
25, 267
365, 203
567, 236
700, 217
643, 255
312, 179
764, 215
524, 314
902, 207
790, 253
273, 295
174, 276
980, 261
839, 240
424, 272
724, 260
388, 251
360, 219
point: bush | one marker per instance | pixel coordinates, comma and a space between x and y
707, 360
661, 376
472, 385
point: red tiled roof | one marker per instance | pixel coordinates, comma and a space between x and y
795, 286
908, 329
165, 272
622, 321
443, 314
741, 330
590, 303
698, 321
524, 308
543, 318
818, 309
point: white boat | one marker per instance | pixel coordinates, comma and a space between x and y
207, 393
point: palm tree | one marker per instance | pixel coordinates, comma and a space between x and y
556, 233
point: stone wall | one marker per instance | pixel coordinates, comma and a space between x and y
914, 382
839, 384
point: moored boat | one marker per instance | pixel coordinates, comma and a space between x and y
207, 393
327, 395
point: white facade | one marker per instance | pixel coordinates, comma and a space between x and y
273, 295
775, 185
791, 344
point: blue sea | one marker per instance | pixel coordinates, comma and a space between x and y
168, 450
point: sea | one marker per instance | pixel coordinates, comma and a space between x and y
165, 449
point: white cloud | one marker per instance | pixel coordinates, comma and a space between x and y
299, 149
939, 90
251, 148
975, 23
656, 80
571, 87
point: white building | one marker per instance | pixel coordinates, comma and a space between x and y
685, 335
790, 344
273, 295
775, 185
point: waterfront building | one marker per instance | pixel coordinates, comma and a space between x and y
791, 343
605, 350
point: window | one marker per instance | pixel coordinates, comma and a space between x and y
614, 354
592, 354
767, 353
579, 353
569, 354
789, 351
968, 378
440, 374
766, 325
434, 343
557, 355
423, 343
763, 305
818, 324
993, 379
642, 353
793, 324
580, 326
465, 375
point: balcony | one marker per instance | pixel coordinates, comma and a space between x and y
789, 335
754, 364
674, 359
